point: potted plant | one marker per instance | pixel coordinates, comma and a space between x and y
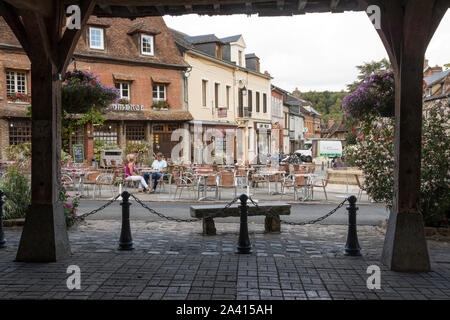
19, 97
161, 105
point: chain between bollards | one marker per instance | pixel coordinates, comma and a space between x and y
244, 245
126, 241
2, 234
352, 246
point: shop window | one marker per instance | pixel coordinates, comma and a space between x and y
158, 127
106, 133
135, 133
19, 132
172, 127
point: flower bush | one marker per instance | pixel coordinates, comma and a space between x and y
82, 91
123, 101
16, 185
70, 208
374, 154
374, 97
20, 97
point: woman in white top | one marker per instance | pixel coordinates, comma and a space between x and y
130, 174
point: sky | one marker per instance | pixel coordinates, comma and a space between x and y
316, 51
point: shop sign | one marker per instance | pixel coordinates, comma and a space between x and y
127, 107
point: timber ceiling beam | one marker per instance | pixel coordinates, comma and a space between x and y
43, 7
12, 18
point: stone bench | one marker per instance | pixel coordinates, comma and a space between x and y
215, 211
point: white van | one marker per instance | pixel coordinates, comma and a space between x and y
329, 148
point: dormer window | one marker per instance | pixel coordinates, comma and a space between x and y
147, 45
96, 38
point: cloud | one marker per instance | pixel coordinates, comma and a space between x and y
318, 51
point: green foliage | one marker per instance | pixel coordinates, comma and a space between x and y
367, 69
327, 103
374, 154
65, 157
20, 152
100, 145
18, 187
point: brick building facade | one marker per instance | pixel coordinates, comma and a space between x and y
138, 57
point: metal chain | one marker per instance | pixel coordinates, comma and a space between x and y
178, 219
84, 215
277, 219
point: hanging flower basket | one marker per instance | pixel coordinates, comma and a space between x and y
374, 97
82, 91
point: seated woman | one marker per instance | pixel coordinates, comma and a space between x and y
131, 175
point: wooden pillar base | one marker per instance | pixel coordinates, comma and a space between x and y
209, 228
272, 225
405, 248
44, 237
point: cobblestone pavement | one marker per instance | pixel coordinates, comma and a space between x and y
174, 261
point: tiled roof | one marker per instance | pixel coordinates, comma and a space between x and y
143, 27
119, 44
20, 111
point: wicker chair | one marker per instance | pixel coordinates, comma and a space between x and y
296, 183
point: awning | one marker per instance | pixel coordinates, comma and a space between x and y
146, 115
10, 110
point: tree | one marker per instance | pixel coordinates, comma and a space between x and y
368, 69
327, 103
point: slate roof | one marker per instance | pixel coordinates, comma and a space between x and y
202, 38
231, 38
436, 77
250, 55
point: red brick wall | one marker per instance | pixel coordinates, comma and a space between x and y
141, 86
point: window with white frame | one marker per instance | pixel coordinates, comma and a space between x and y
124, 90
16, 82
147, 45
159, 92
96, 38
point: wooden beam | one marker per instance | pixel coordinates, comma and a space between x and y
302, 4
280, 5
334, 4
15, 23
43, 7
71, 36
105, 8
132, 9
188, 8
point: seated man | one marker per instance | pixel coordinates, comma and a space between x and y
160, 166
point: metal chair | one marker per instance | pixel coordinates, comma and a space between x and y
182, 183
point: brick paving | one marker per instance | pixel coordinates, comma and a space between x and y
174, 261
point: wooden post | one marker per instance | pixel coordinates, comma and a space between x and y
44, 237
406, 29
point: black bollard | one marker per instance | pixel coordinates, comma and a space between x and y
244, 245
2, 234
126, 242
352, 246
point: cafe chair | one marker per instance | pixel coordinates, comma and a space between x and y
227, 180
182, 183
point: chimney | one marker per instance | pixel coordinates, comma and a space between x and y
436, 69
296, 93
252, 62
